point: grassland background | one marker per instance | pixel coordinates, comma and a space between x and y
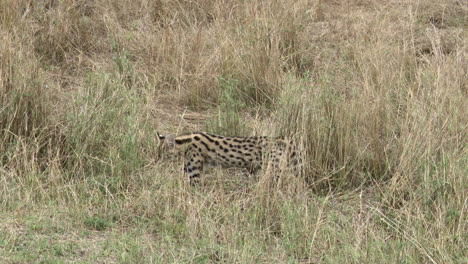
373, 91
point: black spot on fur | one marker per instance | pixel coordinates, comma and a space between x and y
207, 137
197, 138
206, 146
183, 141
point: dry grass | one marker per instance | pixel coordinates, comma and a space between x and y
374, 93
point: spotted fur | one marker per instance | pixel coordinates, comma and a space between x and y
202, 150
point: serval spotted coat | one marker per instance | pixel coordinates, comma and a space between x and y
202, 150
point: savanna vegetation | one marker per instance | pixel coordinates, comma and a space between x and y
374, 92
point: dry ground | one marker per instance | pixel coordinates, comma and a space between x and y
374, 93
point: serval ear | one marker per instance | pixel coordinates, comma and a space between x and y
161, 137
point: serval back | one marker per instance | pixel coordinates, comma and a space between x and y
201, 150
